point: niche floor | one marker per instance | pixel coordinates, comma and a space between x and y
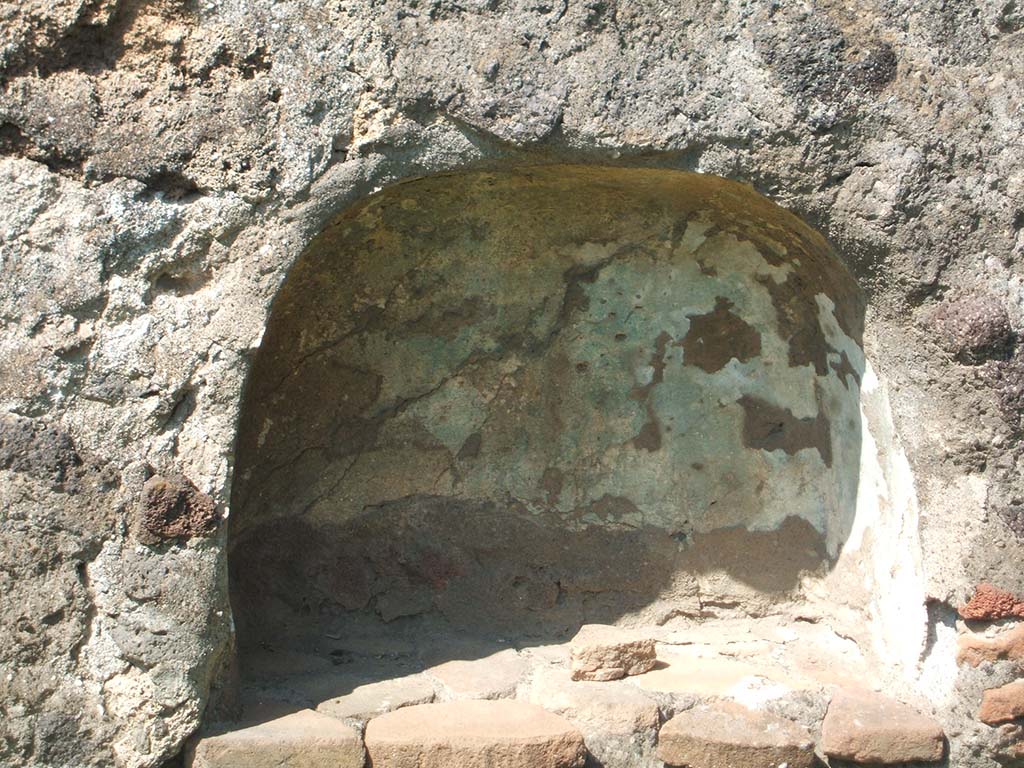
756, 660
784, 667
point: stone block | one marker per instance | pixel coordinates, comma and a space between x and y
865, 727
474, 734
304, 739
372, 699
492, 677
727, 735
600, 652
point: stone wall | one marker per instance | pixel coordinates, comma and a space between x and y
165, 163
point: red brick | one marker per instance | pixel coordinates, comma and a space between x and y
990, 603
1002, 705
974, 649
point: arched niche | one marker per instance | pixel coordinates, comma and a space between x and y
512, 402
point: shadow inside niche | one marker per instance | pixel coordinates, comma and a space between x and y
428, 581
490, 571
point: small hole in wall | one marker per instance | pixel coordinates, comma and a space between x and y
182, 283
173, 186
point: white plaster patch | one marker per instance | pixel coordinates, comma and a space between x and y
890, 568
939, 671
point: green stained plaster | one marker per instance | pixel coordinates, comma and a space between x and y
546, 330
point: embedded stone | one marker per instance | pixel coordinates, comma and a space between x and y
37, 447
1008, 646
728, 735
601, 652
373, 699
989, 603
474, 734
173, 508
974, 328
304, 739
492, 677
1008, 742
865, 727
1003, 704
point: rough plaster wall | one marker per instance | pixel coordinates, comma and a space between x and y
166, 161
638, 355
